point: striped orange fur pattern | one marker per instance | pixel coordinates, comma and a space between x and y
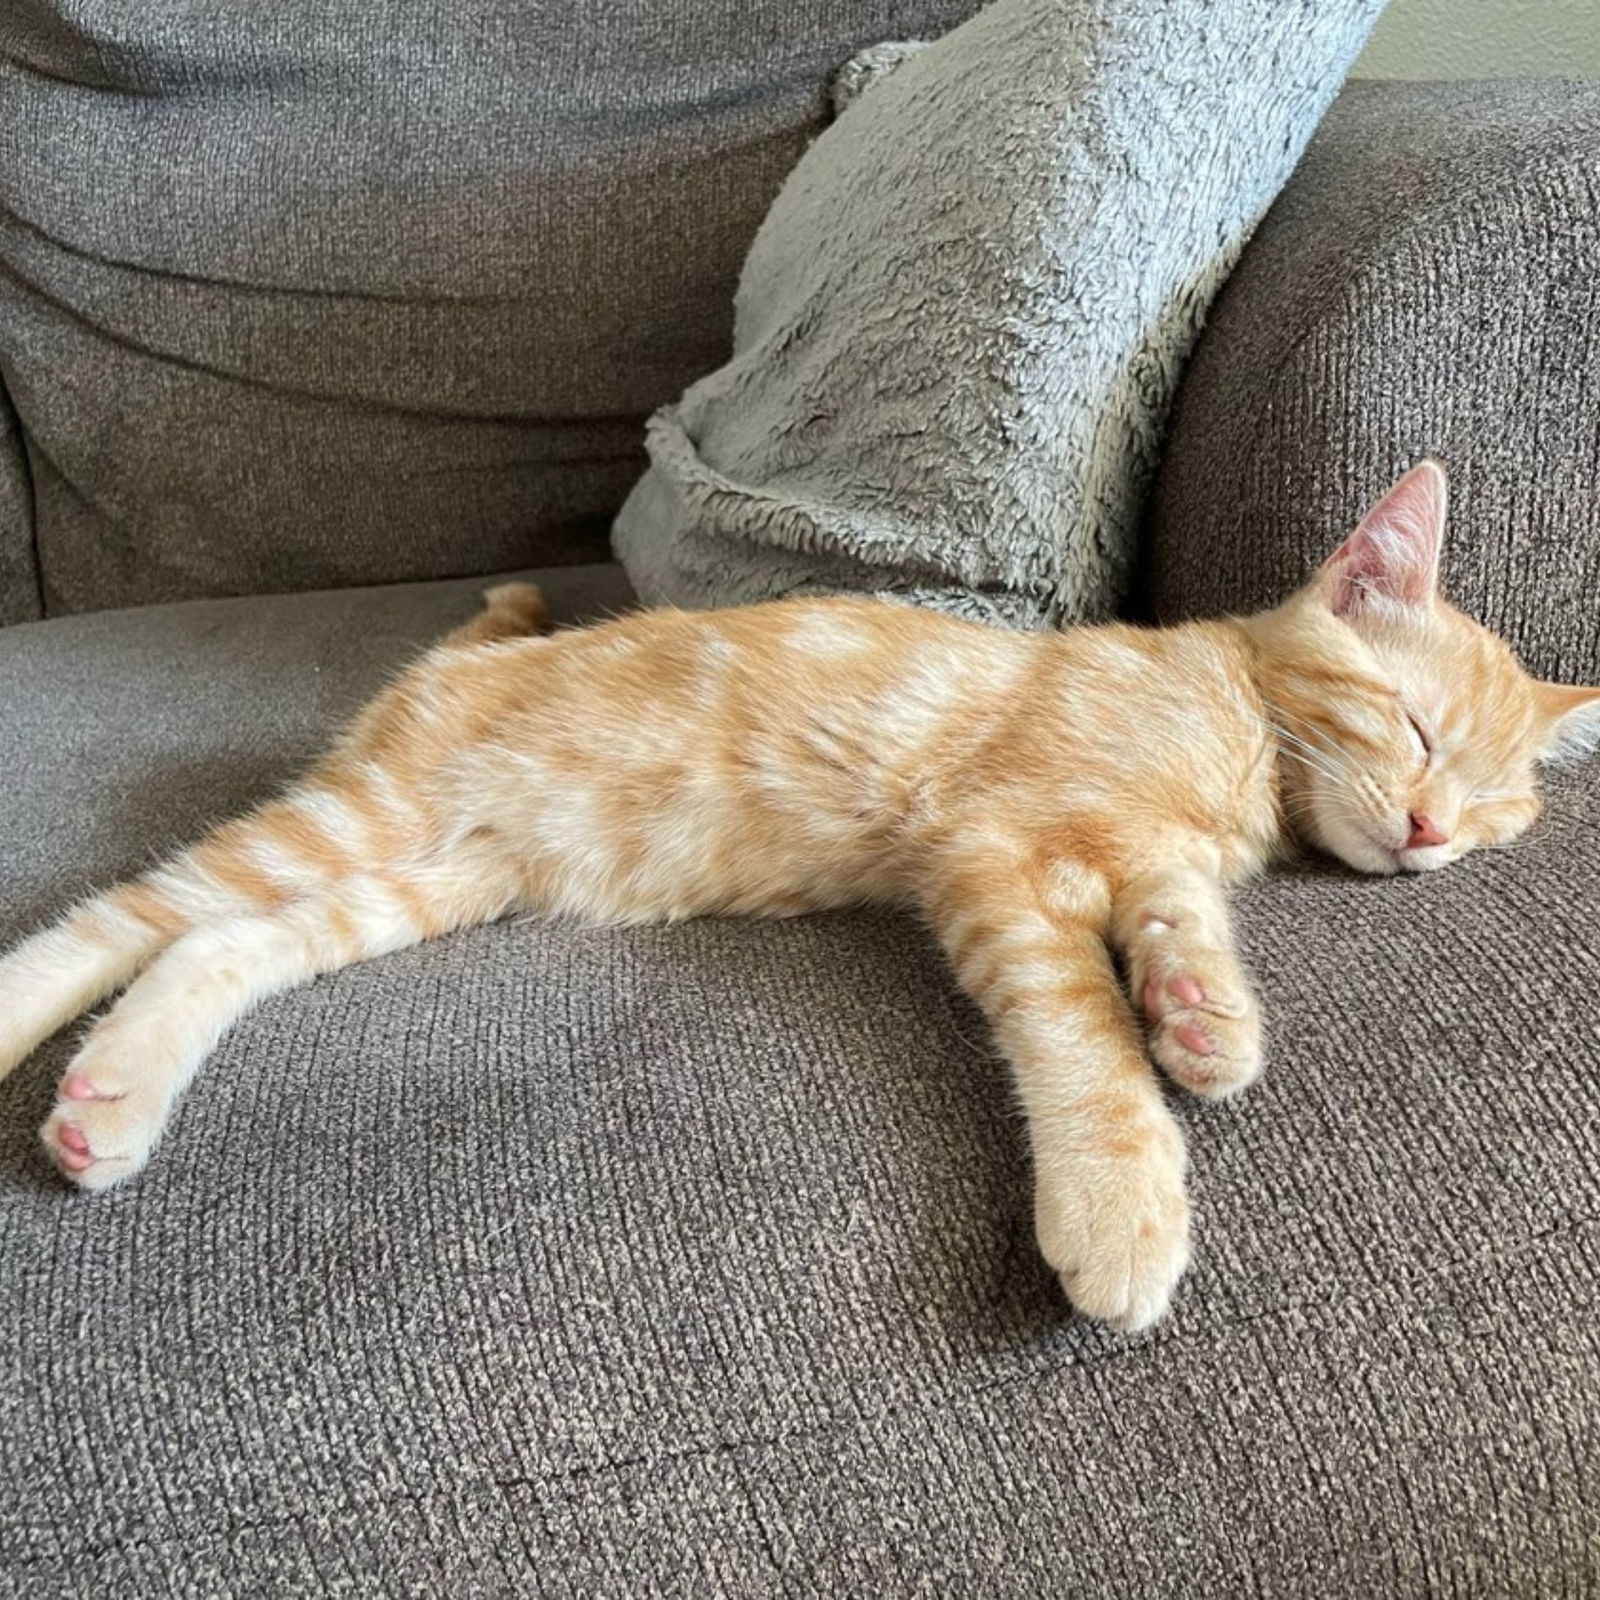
1066, 810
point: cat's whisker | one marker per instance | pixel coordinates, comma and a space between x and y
1325, 744
1338, 779
1332, 763
1325, 751
1300, 805
1286, 742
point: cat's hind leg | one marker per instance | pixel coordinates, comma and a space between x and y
339, 827
122, 1085
253, 864
59, 972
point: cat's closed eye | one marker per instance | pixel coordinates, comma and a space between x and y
1424, 743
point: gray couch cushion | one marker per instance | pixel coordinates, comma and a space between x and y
1427, 285
698, 1260
330, 293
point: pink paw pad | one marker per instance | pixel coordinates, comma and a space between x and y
1186, 991
77, 1087
1195, 1039
73, 1150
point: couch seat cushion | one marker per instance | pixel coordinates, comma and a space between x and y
556, 1260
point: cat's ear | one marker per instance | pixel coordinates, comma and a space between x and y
1393, 557
1570, 721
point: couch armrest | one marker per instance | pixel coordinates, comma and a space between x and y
1427, 284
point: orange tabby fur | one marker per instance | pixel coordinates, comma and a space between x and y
1049, 802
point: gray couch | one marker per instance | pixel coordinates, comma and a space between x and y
548, 1260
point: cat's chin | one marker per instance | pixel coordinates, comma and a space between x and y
1357, 848
1429, 859
1366, 853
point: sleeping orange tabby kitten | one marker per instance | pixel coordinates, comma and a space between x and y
1048, 801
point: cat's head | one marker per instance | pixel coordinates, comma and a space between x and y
1409, 734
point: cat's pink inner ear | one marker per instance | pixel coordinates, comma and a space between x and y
1571, 717
1394, 554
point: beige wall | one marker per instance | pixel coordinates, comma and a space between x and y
1484, 39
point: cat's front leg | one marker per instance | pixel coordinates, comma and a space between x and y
1110, 1210
1172, 927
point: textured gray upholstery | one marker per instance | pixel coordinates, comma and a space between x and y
1428, 284
547, 1260
325, 292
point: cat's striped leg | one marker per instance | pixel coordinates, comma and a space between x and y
340, 820
59, 972
1172, 927
256, 862
117, 1094
1028, 943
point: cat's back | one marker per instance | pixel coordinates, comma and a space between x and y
1151, 725
854, 628
810, 657
1119, 675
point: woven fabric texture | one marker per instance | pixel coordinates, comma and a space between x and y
961, 324
323, 292
548, 1260
1428, 285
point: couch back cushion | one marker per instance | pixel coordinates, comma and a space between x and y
326, 292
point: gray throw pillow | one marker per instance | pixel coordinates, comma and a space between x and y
959, 328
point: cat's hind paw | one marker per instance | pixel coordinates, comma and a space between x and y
96, 1139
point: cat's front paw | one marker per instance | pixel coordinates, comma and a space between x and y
1205, 1024
103, 1128
1114, 1222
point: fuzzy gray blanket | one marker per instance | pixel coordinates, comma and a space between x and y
961, 324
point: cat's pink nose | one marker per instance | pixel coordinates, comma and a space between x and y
1425, 831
